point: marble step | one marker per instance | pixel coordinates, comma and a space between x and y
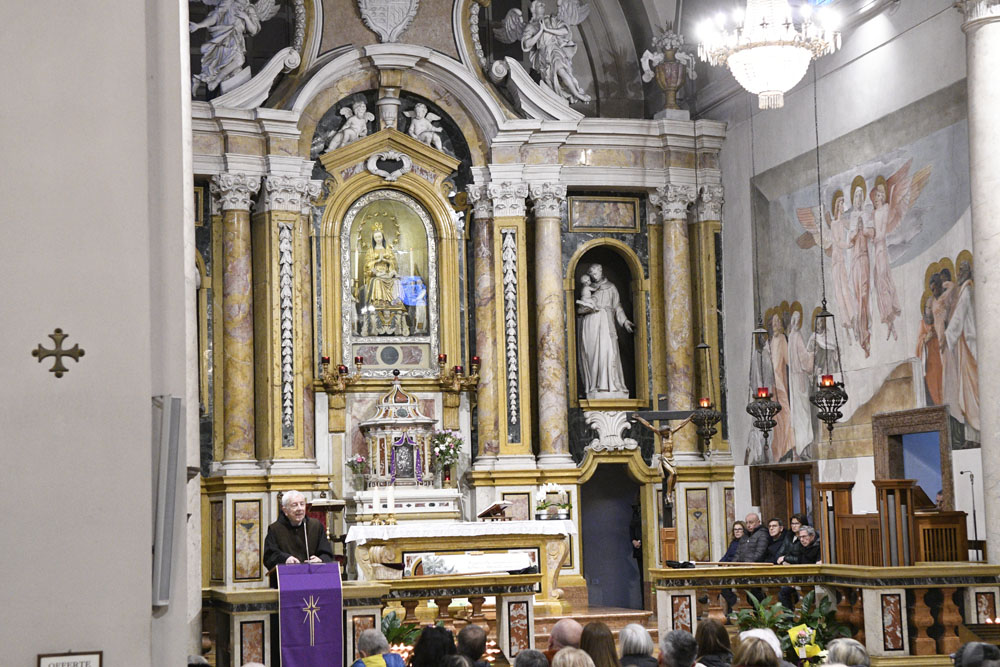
615, 618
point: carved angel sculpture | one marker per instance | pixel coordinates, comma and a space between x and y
355, 125
547, 39
224, 52
421, 127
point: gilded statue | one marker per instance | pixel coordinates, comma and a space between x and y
667, 464
383, 312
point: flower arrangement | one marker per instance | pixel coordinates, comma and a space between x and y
358, 464
803, 641
668, 40
552, 499
445, 448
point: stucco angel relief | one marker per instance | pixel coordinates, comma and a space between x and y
547, 38
224, 52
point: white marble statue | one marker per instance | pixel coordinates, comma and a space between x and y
224, 52
355, 125
547, 38
600, 360
422, 128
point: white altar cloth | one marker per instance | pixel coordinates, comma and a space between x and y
410, 529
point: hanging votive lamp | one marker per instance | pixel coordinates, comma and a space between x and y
762, 407
705, 417
828, 394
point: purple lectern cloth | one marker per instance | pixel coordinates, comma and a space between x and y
311, 612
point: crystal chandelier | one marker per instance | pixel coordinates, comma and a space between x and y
765, 50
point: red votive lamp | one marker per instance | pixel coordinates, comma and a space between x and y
442, 358
763, 392
325, 360
826, 381
475, 361
705, 402
458, 370
342, 369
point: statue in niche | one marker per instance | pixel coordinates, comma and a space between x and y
224, 53
383, 312
422, 128
600, 311
355, 125
547, 39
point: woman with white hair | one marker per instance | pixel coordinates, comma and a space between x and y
636, 646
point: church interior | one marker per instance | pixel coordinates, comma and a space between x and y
533, 302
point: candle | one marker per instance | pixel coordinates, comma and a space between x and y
325, 360
359, 360
342, 369
763, 392
390, 494
705, 402
376, 500
475, 361
827, 381
442, 359
458, 370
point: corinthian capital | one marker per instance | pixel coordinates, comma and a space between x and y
234, 191
289, 193
673, 200
482, 207
710, 203
978, 11
508, 198
548, 197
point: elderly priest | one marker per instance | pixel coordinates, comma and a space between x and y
294, 537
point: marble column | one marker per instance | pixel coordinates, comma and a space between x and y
982, 35
282, 341
553, 422
513, 349
486, 333
673, 201
234, 192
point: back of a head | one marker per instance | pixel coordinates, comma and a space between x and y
678, 649
977, 654
767, 634
712, 638
531, 658
372, 642
572, 657
848, 651
565, 632
457, 660
599, 644
635, 640
431, 647
472, 642
755, 652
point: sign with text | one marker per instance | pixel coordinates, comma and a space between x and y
89, 659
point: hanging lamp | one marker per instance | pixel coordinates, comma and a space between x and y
705, 416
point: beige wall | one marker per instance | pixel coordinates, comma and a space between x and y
92, 240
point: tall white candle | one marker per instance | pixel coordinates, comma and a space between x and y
376, 501
390, 494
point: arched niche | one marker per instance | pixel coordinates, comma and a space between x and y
621, 268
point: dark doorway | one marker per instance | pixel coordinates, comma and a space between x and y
611, 572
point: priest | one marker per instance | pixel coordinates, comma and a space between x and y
294, 537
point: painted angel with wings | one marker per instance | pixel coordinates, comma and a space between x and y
891, 200
548, 41
835, 245
224, 52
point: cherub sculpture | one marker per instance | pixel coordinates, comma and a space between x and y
421, 127
548, 41
355, 125
224, 52
667, 463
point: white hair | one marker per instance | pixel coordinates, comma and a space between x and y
635, 640
767, 634
372, 641
286, 498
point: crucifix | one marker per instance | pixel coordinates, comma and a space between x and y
667, 464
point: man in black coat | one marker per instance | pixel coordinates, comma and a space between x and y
779, 541
294, 537
805, 551
754, 550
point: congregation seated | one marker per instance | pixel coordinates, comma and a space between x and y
779, 541
565, 633
739, 535
848, 652
636, 646
768, 636
472, 644
433, 645
597, 640
572, 657
678, 648
373, 648
754, 549
805, 551
531, 658
754, 652
714, 647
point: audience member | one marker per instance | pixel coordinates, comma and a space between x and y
678, 649
531, 658
754, 652
472, 644
779, 540
804, 552
456, 660
977, 654
433, 644
196, 661
847, 651
636, 646
599, 644
565, 632
572, 657
754, 550
767, 634
739, 535
714, 648
374, 651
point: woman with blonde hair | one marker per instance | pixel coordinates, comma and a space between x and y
755, 652
572, 657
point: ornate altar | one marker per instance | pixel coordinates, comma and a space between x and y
398, 437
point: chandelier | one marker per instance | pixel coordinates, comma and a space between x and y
766, 50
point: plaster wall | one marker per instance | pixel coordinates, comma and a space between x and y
93, 239
886, 63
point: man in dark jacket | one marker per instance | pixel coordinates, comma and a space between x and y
472, 644
805, 551
294, 537
779, 540
754, 550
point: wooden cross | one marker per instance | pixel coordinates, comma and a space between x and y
663, 414
58, 352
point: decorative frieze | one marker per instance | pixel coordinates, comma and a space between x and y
289, 193
673, 200
710, 202
508, 198
548, 198
234, 191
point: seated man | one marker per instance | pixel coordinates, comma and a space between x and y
531, 658
780, 540
374, 651
565, 632
804, 552
472, 644
294, 537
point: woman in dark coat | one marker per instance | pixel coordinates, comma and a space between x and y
739, 535
714, 648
